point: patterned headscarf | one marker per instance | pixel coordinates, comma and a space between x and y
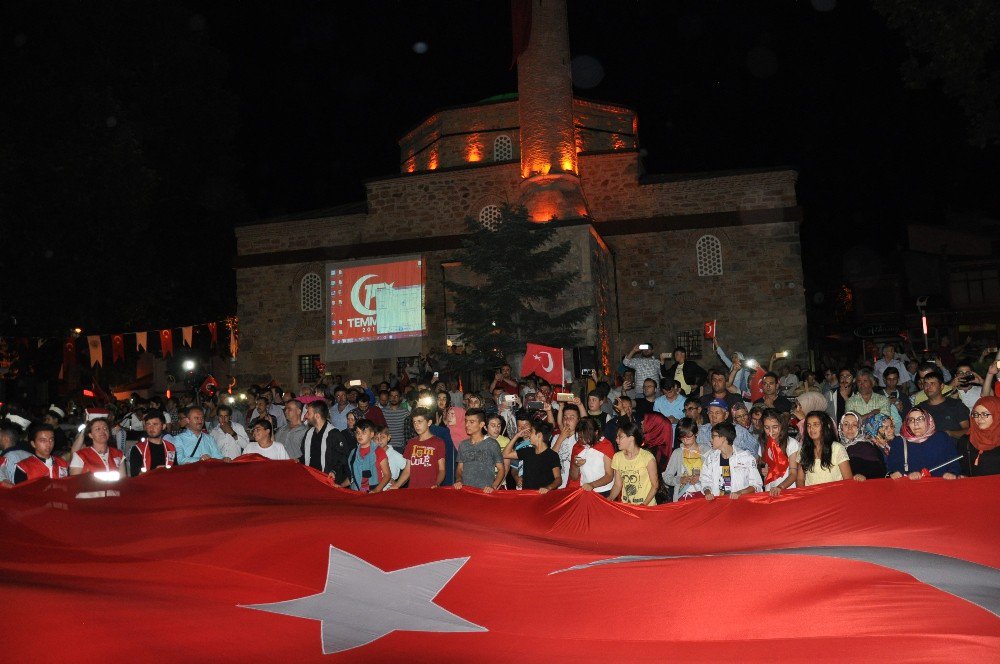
357, 413
873, 425
908, 435
840, 429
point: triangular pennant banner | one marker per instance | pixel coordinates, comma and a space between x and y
213, 329
96, 351
187, 334
140, 342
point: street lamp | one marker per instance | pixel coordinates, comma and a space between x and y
188, 365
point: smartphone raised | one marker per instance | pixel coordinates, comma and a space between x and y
564, 396
354, 383
643, 346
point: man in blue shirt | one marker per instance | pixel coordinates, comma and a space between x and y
670, 404
193, 443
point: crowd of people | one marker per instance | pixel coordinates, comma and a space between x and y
661, 429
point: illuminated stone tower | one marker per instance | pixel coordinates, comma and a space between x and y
550, 184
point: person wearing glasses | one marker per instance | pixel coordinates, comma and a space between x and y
919, 447
684, 467
263, 443
985, 437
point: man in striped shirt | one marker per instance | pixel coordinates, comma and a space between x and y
395, 414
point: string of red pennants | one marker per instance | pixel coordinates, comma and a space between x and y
166, 337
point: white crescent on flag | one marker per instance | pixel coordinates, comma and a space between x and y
547, 367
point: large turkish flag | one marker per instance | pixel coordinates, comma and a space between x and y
545, 362
264, 561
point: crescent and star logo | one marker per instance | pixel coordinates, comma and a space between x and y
549, 364
367, 308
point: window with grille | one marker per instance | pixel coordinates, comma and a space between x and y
690, 340
312, 292
709, 252
503, 148
489, 216
308, 371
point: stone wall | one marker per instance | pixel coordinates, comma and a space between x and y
422, 205
614, 190
758, 300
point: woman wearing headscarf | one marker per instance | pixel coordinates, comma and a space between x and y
920, 450
866, 458
880, 429
985, 437
805, 403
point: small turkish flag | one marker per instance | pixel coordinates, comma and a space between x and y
117, 347
757, 385
166, 342
543, 361
710, 329
210, 382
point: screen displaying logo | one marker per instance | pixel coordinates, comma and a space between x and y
376, 301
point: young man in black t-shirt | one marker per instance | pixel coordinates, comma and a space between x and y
542, 470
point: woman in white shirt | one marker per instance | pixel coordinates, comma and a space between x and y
727, 470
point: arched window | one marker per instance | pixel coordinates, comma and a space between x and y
312, 292
489, 216
709, 252
503, 148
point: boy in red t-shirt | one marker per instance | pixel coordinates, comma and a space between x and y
424, 456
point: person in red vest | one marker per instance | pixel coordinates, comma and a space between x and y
154, 450
41, 463
99, 456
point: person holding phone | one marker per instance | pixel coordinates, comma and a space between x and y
503, 380
541, 470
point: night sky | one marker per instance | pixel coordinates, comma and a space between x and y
135, 138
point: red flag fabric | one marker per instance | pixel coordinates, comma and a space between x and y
266, 561
710, 329
117, 347
207, 383
543, 361
757, 385
69, 353
166, 342
213, 329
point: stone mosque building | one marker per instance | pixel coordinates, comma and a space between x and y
658, 255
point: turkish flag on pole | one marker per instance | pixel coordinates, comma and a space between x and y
543, 361
164, 557
710, 329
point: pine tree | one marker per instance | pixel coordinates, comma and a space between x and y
516, 282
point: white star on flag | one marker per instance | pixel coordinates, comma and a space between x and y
363, 603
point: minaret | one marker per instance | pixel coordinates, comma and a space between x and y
550, 183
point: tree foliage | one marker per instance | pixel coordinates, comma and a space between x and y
954, 42
518, 281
